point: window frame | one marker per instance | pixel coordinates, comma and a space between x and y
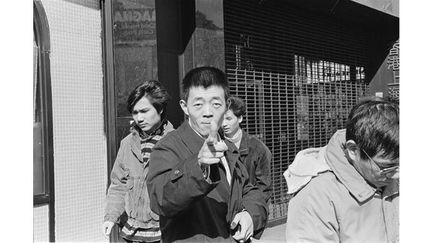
42, 39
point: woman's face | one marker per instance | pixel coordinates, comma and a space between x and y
146, 116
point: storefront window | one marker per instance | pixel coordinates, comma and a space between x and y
135, 53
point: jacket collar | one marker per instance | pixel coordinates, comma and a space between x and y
190, 138
344, 171
233, 152
232, 155
391, 190
136, 145
244, 144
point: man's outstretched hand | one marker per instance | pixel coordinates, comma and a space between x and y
212, 150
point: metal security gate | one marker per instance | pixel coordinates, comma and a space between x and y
299, 74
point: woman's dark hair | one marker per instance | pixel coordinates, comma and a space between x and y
205, 77
154, 92
236, 105
374, 126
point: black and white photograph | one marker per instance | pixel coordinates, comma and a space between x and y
217, 121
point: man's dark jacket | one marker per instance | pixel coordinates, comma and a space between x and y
255, 155
190, 208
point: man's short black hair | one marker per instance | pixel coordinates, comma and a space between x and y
374, 126
236, 105
154, 91
205, 77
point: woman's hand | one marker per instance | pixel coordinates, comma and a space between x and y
106, 228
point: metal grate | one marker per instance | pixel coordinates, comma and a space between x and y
299, 75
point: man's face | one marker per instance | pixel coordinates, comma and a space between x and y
231, 123
203, 106
146, 116
377, 170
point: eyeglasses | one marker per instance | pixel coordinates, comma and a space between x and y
386, 171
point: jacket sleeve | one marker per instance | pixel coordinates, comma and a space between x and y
253, 201
312, 216
174, 183
115, 202
262, 173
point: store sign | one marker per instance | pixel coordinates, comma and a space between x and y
321, 71
393, 57
135, 25
142, 15
393, 64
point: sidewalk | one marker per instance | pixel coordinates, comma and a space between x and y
273, 234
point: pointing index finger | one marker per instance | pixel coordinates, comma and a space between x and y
212, 137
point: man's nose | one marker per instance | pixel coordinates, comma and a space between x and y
208, 112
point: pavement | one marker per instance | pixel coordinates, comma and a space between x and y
273, 234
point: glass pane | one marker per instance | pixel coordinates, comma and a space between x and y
38, 162
38, 165
135, 52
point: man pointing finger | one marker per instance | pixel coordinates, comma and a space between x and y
197, 183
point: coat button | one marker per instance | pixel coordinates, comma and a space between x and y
176, 172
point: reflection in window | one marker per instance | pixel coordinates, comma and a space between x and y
360, 74
242, 53
309, 71
327, 91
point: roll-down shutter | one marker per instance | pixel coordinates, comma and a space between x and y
299, 74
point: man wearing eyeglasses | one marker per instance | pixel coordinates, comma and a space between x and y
348, 191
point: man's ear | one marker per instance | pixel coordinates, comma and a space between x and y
240, 119
184, 107
352, 150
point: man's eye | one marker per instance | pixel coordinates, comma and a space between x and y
134, 112
197, 105
217, 105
